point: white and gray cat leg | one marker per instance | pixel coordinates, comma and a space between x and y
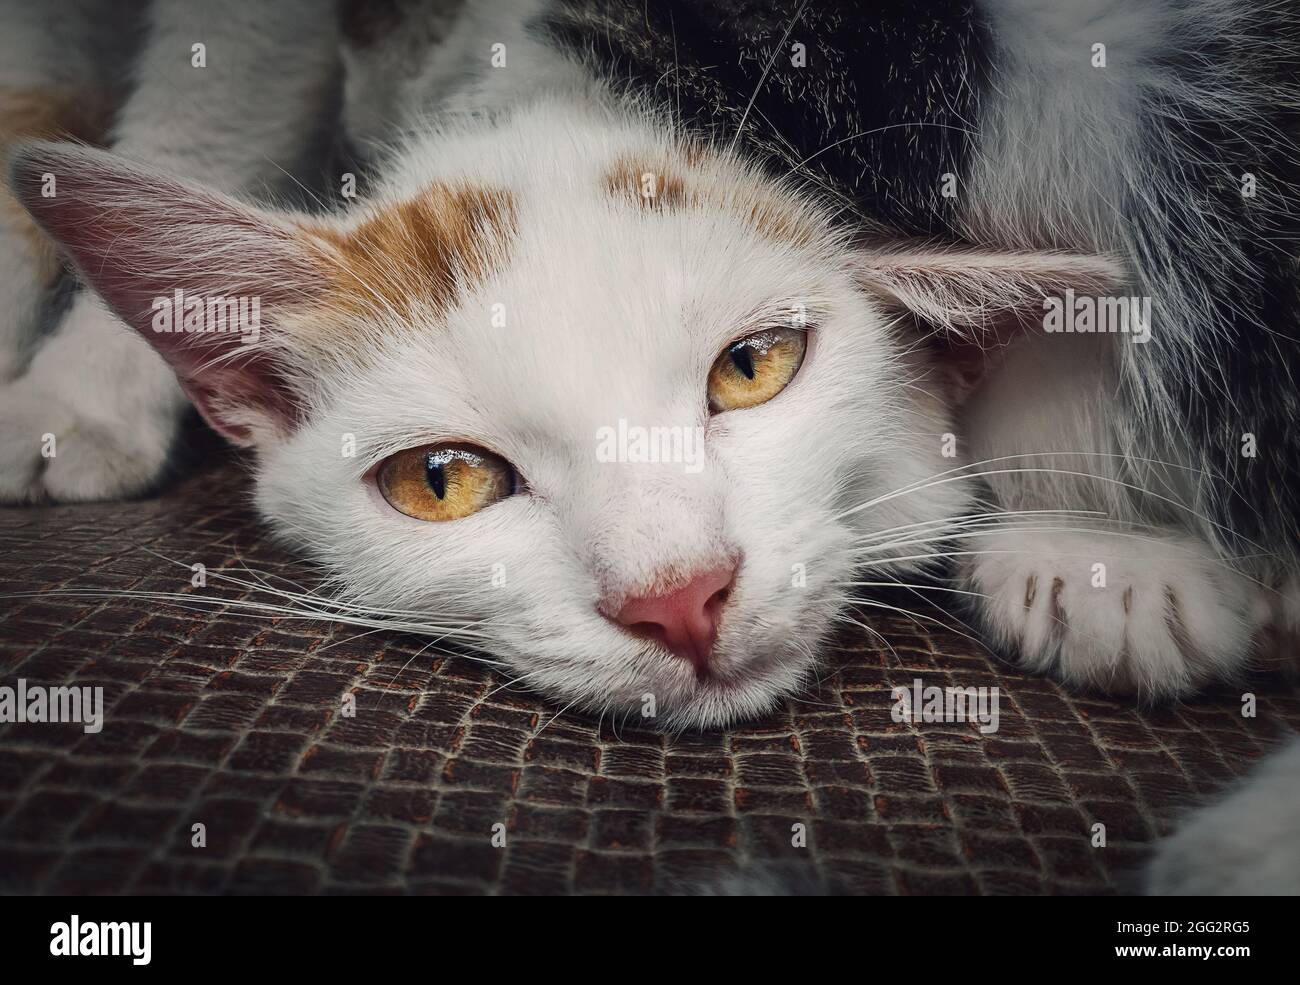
228, 93
54, 81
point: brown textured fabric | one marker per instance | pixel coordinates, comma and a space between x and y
233, 721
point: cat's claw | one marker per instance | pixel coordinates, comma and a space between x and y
1155, 615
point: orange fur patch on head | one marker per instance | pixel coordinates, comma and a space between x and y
649, 187
418, 253
775, 216
701, 176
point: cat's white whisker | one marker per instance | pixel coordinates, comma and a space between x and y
966, 521
962, 474
920, 618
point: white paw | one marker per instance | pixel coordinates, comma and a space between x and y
1246, 844
93, 418
1155, 615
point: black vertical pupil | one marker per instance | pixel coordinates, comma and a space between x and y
744, 360
436, 476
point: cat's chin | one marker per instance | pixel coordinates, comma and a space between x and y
719, 704
746, 690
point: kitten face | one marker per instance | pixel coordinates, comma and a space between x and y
550, 290
610, 310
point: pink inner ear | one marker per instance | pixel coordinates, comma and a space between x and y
978, 302
961, 289
221, 394
139, 235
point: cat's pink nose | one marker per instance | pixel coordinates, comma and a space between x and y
684, 620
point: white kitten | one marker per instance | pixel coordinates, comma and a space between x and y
434, 373
528, 297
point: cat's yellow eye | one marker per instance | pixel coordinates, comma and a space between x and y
444, 482
753, 370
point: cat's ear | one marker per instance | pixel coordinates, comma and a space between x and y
201, 276
978, 301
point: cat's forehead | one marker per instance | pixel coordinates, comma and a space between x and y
577, 177
558, 153
612, 241
613, 270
